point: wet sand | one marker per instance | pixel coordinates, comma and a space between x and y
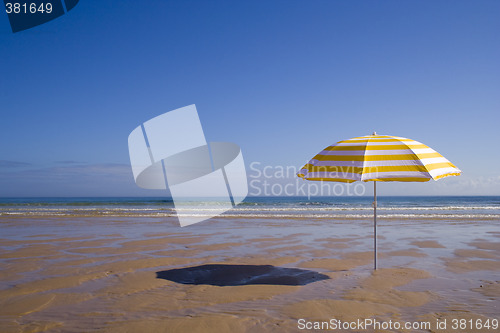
242, 275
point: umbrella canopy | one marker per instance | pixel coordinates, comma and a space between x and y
378, 158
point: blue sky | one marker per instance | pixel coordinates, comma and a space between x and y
283, 79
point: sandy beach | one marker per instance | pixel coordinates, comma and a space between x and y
108, 274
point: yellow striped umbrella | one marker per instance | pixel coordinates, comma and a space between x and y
378, 158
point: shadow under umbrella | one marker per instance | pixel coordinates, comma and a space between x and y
238, 275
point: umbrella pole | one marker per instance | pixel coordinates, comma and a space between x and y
375, 224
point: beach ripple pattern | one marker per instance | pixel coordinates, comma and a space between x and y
170, 152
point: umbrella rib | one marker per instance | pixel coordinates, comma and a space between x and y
364, 160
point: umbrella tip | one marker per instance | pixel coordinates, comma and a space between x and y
374, 133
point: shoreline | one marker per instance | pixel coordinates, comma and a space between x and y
319, 217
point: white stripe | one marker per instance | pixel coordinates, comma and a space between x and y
389, 152
377, 152
424, 151
339, 163
427, 161
406, 143
400, 151
361, 164
391, 163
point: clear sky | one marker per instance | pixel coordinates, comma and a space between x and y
283, 79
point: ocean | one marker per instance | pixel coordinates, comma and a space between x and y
389, 207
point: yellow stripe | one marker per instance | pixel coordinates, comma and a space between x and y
399, 179
373, 169
402, 179
373, 147
446, 175
341, 180
399, 157
435, 166
394, 168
